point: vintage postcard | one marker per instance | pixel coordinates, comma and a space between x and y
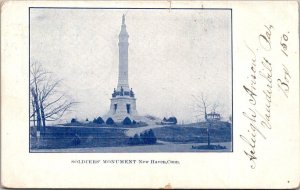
173, 94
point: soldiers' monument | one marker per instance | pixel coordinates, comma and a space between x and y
123, 102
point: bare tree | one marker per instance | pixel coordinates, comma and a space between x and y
48, 103
214, 107
202, 107
37, 75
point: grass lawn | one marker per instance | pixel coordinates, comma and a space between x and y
88, 136
219, 132
79, 137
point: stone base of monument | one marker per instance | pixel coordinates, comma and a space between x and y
123, 106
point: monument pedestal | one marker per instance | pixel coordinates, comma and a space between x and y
122, 107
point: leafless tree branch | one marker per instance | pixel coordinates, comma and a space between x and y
49, 104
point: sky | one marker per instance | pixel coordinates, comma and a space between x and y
174, 56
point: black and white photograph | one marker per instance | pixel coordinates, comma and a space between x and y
130, 80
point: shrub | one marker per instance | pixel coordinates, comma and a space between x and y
110, 121
172, 119
73, 120
148, 137
135, 140
143, 137
130, 141
76, 140
127, 121
151, 137
134, 122
99, 120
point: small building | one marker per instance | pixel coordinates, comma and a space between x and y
213, 116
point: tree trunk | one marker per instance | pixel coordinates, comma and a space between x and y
33, 108
208, 138
38, 116
205, 114
43, 118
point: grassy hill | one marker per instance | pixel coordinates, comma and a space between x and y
56, 137
195, 133
79, 137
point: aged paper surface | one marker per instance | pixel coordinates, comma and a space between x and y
180, 94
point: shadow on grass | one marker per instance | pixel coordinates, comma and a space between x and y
209, 147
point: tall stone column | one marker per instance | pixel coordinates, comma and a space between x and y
123, 58
123, 101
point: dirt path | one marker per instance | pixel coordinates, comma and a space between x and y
132, 131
